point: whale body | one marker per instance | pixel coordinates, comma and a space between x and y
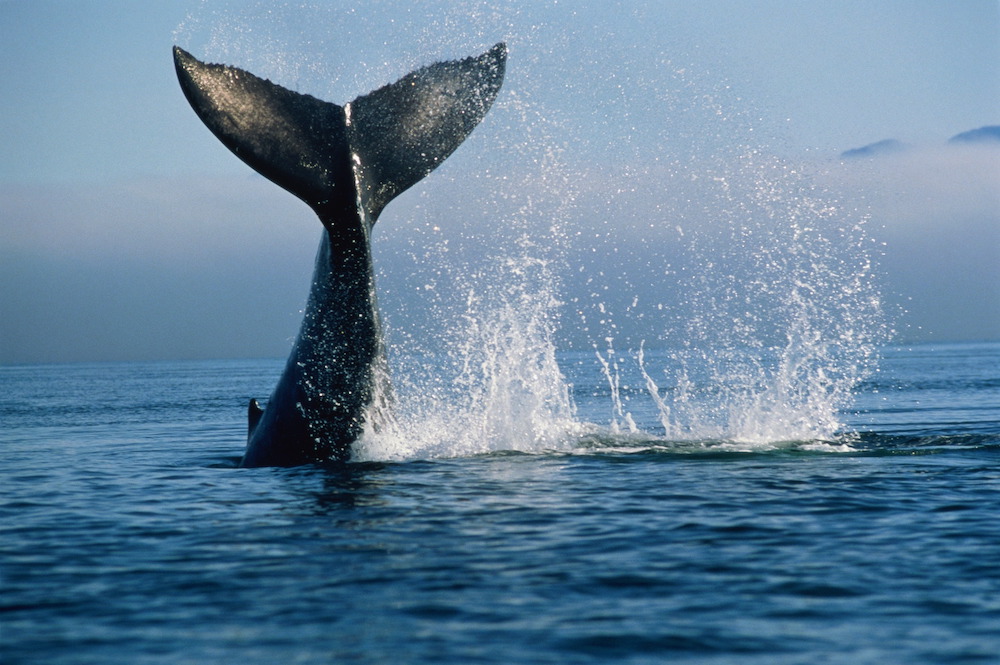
347, 163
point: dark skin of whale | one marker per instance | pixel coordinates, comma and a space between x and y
346, 162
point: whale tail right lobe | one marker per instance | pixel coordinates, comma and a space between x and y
361, 155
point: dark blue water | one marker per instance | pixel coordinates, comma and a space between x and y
127, 535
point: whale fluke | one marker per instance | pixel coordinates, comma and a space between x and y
396, 135
347, 163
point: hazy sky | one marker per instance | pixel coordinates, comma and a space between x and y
128, 232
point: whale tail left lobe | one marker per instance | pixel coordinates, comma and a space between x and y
368, 151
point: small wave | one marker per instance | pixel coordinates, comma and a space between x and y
434, 441
607, 441
925, 444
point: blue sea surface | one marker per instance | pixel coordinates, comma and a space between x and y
128, 535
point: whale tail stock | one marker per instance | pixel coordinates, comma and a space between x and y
353, 158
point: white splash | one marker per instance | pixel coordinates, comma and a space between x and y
785, 316
506, 392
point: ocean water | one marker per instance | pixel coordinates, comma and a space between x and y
760, 481
607, 522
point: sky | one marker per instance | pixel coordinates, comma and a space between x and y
127, 232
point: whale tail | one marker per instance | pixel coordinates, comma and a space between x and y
361, 155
